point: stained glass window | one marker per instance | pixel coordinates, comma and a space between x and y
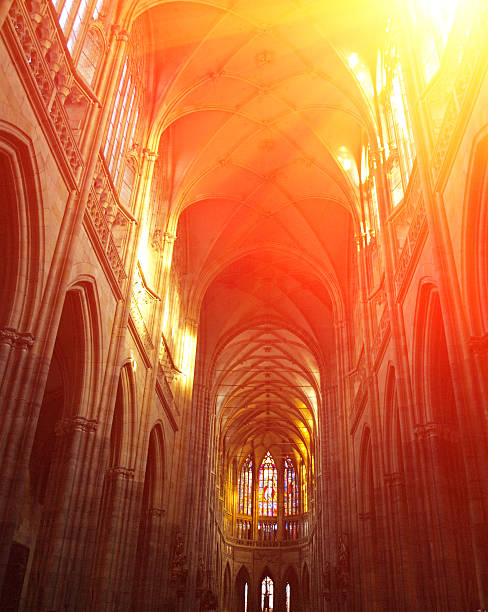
245, 487
287, 591
267, 530
267, 595
268, 480
290, 488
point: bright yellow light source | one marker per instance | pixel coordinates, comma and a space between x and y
353, 60
346, 164
442, 13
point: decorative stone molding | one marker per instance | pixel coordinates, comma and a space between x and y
415, 232
169, 238
326, 591
76, 423
156, 512
47, 68
12, 337
140, 325
120, 472
179, 570
149, 155
478, 344
431, 430
395, 479
343, 574
106, 215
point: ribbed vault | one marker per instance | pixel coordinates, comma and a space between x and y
262, 120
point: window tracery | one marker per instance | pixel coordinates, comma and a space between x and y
245, 487
124, 120
397, 131
290, 488
267, 594
268, 481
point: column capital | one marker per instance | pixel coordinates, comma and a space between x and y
10, 336
432, 429
191, 322
120, 472
478, 344
76, 423
168, 237
394, 478
151, 156
157, 512
119, 34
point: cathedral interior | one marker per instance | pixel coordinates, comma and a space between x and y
244, 314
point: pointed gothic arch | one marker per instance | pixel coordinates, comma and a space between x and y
226, 600
290, 578
441, 463
475, 237
392, 434
306, 589
21, 239
266, 590
148, 566
242, 590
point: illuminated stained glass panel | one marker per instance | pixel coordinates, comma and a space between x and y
245, 487
267, 595
268, 487
290, 488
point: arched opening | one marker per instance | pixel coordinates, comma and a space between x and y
445, 512
70, 387
115, 530
226, 600
475, 240
148, 556
267, 594
306, 589
395, 487
241, 591
20, 242
292, 590
367, 516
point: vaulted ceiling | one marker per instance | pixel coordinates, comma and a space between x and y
263, 110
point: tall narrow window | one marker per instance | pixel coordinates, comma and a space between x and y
434, 20
125, 119
290, 488
399, 147
268, 498
245, 487
246, 588
304, 489
90, 56
267, 595
74, 16
287, 595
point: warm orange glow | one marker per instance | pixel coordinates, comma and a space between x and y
188, 356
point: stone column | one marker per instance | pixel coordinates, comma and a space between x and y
399, 537
469, 401
15, 358
4, 9
440, 520
58, 559
117, 541
280, 502
150, 562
